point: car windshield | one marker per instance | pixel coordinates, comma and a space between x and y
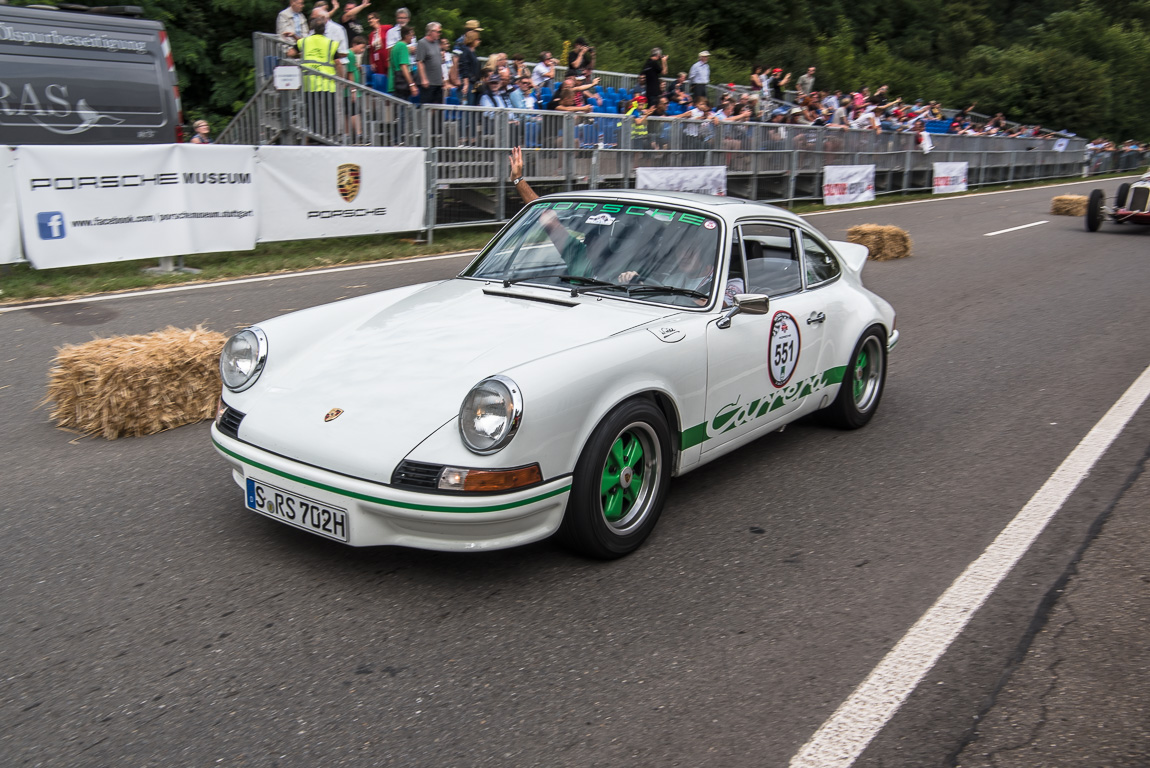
657, 254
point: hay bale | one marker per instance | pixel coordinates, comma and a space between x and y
884, 242
1068, 205
136, 385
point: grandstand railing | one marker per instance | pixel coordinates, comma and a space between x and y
783, 164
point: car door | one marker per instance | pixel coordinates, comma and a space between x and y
761, 368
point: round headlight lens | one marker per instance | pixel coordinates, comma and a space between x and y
490, 414
243, 359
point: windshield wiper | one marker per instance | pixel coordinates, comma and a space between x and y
510, 281
583, 284
667, 289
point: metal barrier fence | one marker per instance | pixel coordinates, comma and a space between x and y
782, 164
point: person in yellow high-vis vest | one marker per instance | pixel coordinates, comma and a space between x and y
321, 55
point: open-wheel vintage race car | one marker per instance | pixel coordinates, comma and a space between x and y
1131, 204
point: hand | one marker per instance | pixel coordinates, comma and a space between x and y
595, 81
515, 163
628, 277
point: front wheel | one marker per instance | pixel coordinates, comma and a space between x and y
1094, 210
620, 483
863, 383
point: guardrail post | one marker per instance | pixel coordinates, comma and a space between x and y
503, 139
906, 173
794, 174
1010, 175
569, 128
593, 179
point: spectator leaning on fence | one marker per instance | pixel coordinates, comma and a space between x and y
291, 24
700, 75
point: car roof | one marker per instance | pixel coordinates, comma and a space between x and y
730, 208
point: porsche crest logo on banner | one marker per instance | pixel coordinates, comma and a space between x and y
347, 177
352, 191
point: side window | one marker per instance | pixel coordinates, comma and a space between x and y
772, 260
821, 264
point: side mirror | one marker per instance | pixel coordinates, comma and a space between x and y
746, 303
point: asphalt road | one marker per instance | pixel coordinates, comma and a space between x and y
149, 620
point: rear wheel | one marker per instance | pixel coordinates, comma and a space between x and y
620, 483
862, 385
1094, 210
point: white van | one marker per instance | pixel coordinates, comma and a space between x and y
71, 77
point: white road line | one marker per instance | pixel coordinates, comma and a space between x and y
842, 738
241, 281
1015, 229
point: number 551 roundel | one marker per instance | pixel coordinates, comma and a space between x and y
602, 343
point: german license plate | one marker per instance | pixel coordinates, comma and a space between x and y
300, 511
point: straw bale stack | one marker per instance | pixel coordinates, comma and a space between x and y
885, 242
1068, 205
136, 385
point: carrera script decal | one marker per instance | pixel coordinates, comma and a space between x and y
629, 210
733, 415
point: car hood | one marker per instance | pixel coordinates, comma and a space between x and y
399, 374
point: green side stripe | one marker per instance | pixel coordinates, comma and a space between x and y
697, 434
389, 502
693, 436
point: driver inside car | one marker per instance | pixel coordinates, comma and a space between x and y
591, 256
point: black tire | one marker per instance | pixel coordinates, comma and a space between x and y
1123, 194
1094, 212
863, 383
640, 429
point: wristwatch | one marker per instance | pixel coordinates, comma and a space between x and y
515, 182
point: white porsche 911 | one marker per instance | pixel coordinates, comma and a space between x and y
602, 343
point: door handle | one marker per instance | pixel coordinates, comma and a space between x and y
816, 317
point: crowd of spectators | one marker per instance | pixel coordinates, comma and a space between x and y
432, 70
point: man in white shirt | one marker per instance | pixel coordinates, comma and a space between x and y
543, 76
700, 75
332, 31
402, 18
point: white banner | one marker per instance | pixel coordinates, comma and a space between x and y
704, 179
9, 213
307, 192
97, 204
847, 184
950, 177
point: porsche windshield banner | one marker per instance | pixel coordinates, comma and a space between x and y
97, 204
9, 217
848, 184
949, 177
307, 192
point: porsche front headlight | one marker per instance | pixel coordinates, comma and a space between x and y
490, 414
243, 359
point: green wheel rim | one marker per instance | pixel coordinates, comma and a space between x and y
866, 375
630, 475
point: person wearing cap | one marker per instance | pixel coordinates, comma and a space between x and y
472, 25
467, 68
776, 83
581, 59
699, 75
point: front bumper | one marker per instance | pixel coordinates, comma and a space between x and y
381, 515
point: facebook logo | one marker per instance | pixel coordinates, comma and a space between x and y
51, 225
